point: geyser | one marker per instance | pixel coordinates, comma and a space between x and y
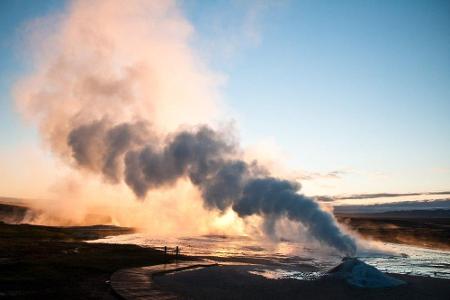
112, 86
210, 160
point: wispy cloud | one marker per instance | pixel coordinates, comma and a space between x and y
234, 25
323, 198
336, 174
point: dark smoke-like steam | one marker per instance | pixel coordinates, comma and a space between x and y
210, 160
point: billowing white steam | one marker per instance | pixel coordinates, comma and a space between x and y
114, 84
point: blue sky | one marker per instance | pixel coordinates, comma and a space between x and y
362, 87
13, 15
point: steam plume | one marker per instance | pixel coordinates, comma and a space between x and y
118, 83
208, 160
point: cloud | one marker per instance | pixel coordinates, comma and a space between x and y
232, 26
324, 198
378, 195
337, 174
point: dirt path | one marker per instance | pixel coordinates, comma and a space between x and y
137, 283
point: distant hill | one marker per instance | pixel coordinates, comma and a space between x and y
419, 205
15, 201
13, 213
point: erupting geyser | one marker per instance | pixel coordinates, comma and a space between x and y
209, 159
114, 77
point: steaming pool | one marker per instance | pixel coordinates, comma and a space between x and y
293, 260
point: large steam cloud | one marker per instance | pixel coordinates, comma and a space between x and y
119, 82
208, 159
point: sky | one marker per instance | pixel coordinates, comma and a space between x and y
354, 95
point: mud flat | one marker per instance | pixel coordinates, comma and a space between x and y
238, 282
